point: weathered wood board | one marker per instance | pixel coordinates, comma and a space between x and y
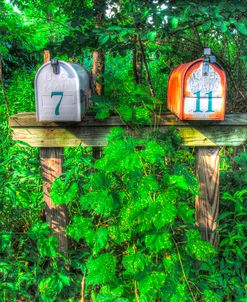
56, 215
93, 132
207, 204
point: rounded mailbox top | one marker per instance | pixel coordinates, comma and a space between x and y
197, 90
59, 91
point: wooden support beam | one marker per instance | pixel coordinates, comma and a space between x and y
56, 215
93, 132
207, 203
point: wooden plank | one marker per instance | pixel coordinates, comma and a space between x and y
96, 136
207, 204
28, 119
56, 215
93, 132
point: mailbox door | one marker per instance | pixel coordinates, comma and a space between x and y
204, 94
57, 95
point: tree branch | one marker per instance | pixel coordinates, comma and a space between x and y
146, 67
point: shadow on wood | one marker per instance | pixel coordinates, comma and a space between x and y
56, 215
93, 132
207, 204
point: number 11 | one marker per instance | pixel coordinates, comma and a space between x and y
198, 103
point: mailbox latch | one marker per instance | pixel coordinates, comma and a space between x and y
55, 66
208, 58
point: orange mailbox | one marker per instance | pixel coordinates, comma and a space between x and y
197, 90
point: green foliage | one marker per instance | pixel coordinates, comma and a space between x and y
51, 286
63, 191
130, 219
197, 247
102, 269
132, 227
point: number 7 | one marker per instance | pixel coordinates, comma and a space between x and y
59, 102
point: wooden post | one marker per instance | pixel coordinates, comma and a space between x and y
47, 56
51, 164
207, 204
56, 215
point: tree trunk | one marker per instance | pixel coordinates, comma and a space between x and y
146, 67
98, 72
134, 59
3, 86
98, 68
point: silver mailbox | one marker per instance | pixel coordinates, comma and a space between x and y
62, 91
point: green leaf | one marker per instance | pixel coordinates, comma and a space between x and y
101, 202
152, 35
39, 230
81, 227
153, 152
179, 182
100, 239
118, 235
186, 213
162, 212
142, 115
198, 248
151, 283
241, 27
179, 292
48, 246
110, 294
174, 22
50, 287
135, 263
158, 241
64, 279
211, 296
104, 39
169, 261
224, 26
126, 112
101, 270
5, 242
206, 26
103, 113
116, 133
150, 183
62, 192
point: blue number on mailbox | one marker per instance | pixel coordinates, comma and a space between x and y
59, 102
198, 101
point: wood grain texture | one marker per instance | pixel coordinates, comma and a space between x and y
207, 204
47, 56
28, 119
56, 215
93, 132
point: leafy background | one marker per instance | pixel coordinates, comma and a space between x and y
132, 228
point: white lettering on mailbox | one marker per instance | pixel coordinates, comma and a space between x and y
203, 93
